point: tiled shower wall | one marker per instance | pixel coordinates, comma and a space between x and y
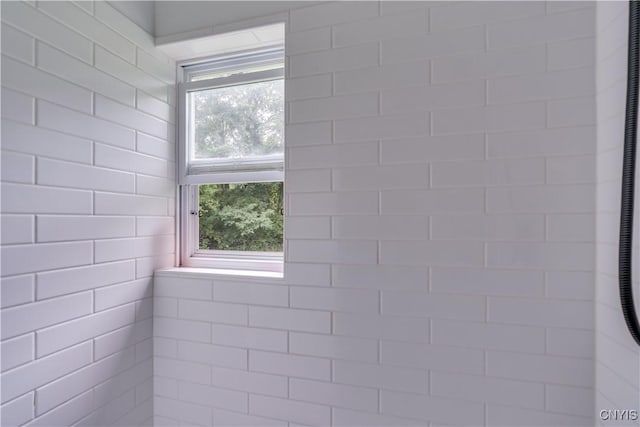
617, 355
87, 212
440, 190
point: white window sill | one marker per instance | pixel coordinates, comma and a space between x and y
216, 272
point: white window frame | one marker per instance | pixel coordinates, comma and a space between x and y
191, 174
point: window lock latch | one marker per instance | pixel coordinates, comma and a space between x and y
198, 213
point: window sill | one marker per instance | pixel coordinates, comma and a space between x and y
196, 272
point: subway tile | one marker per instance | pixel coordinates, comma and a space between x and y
309, 133
432, 149
380, 177
307, 274
125, 204
62, 119
334, 251
53, 339
335, 107
72, 280
17, 351
333, 156
470, 14
19, 198
153, 146
570, 400
570, 342
32, 258
400, 303
53, 228
42, 27
113, 18
385, 77
481, 281
115, 295
181, 370
20, 410
431, 408
572, 112
248, 293
511, 416
380, 227
252, 382
317, 86
57, 392
516, 227
123, 338
340, 395
488, 336
228, 418
420, 201
308, 41
72, 16
154, 186
189, 413
571, 170
43, 142
575, 53
351, 203
540, 368
290, 319
335, 347
155, 107
324, 15
552, 255
549, 142
434, 97
381, 28
380, 376
384, 327
357, 418
541, 199
493, 118
290, 365
129, 161
488, 173
42, 371
382, 127
476, 388
152, 226
342, 300
213, 396
398, 252
432, 45
17, 229
314, 227
67, 413
251, 338
182, 329
380, 277
433, 357
117, 249
226, 357
80, 73
541, 29
183, 288
557, 313
291, 410
17, 290
17, 106
17, 44
162, 69
348, 58
576, 285
542, 86
130, 117
65, 174
571, 228
520, 60
213, 312
122, 70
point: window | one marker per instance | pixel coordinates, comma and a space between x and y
231, 162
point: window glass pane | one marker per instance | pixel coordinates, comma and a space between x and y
206, 75
237, 122
241, 217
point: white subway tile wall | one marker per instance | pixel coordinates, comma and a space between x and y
86, 141
617, 371
440, 252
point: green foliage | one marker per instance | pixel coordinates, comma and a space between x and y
239, 121
242, 217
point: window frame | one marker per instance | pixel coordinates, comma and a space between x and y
251, 170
